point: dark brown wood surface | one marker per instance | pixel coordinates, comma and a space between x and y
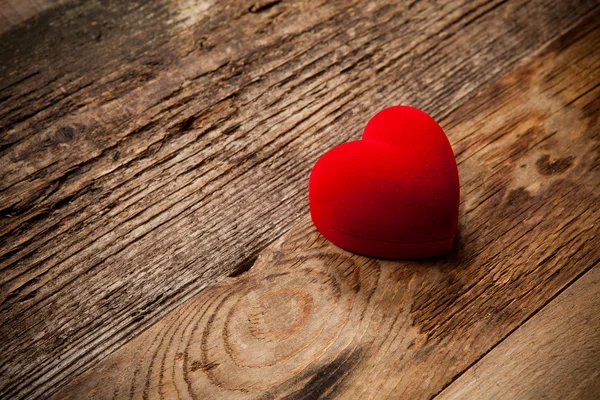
148, 149
15, 12
311, 320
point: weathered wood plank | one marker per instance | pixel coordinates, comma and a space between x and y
309, 319
150, 148
14, 12
555, 355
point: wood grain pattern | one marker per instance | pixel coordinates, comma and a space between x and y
15, 12
150, 148
310, 320
555, 355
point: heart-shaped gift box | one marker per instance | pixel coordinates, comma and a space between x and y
394, 193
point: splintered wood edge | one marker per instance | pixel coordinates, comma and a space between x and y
310, 319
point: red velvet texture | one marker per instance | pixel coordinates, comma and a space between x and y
392, 194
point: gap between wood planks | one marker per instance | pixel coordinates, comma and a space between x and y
444, 391
309, 319
554, 354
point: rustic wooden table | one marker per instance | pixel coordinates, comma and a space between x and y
154, 230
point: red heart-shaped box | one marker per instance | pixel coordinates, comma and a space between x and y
392, 194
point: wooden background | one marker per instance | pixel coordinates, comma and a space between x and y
150, 149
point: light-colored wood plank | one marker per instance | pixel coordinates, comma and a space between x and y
311, 320
150, 148
555, 355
